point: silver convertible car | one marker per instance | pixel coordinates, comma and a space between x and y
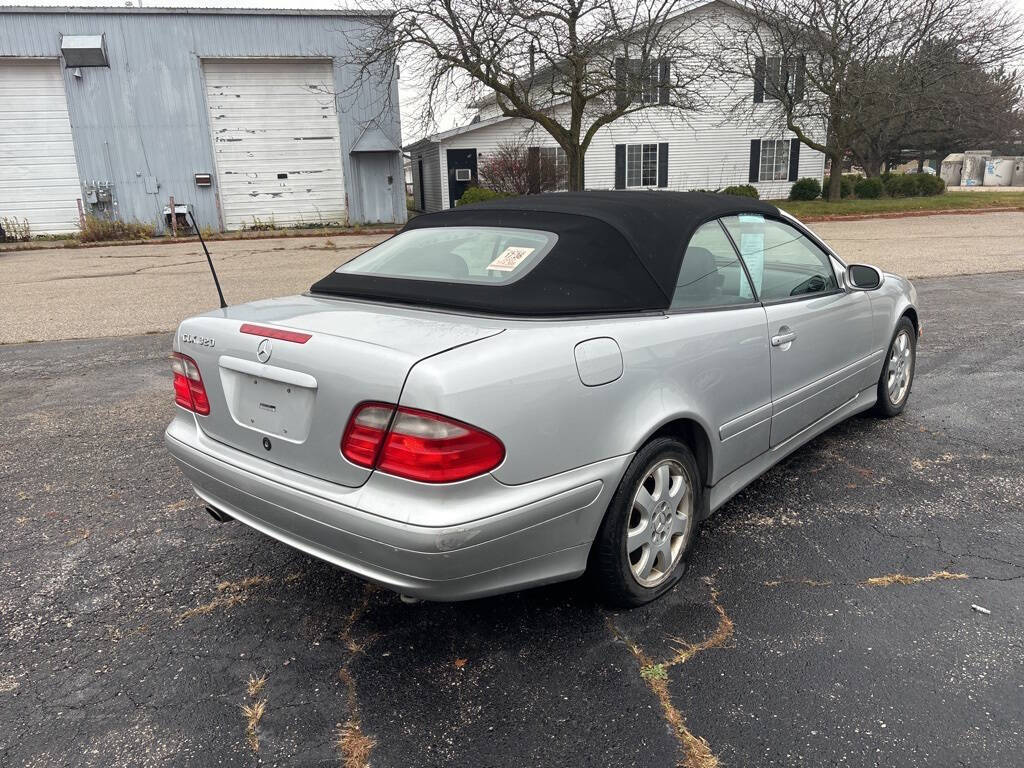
526, 390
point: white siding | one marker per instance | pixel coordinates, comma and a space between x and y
485, 140
276, 140
38, 174
708, 149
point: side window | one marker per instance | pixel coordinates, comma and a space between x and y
783, 263
711, 274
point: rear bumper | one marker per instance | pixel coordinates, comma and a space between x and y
540, 534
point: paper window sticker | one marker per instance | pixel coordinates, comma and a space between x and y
752, 251
509, 259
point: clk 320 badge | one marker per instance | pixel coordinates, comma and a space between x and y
199, 341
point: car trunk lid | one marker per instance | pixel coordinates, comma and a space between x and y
287, 400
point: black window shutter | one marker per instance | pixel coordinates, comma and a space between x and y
621, 83
755, 161
663, 165
799, 77
759, 80
794, 159
620, 166
664, 80
533, 170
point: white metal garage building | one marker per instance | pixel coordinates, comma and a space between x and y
250, 117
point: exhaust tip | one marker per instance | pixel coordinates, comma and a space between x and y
409, 599
219, 515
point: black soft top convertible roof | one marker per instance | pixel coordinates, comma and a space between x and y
616, 252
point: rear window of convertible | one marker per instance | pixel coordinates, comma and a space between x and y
480, 255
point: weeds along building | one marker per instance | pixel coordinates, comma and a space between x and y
249, 117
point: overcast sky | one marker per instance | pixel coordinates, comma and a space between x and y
407, 92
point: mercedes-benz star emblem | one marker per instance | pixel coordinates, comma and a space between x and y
264, 350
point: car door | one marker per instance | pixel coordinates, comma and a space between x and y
820, 335
721, 338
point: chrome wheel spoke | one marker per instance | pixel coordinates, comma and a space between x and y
677, 491
646, 564
644, 502
638, 536
680, 522
663, 560
662, 482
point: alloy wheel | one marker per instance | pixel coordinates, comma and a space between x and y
660, 519
901, 368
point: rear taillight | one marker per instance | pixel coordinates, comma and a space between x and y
418, 445
189, 391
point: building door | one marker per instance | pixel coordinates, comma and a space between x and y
276, 141
38, 174
376, 185
423, 190
461, 173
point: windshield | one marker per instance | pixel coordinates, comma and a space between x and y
482, 255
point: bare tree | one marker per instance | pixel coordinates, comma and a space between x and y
975, 108
513, 168
570, 67
828, 70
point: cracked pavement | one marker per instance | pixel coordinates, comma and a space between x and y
131, 623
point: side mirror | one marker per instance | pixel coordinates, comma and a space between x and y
863, 277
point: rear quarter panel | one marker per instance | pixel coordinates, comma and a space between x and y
524, 387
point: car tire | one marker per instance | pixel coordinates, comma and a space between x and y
660, 526
898, 370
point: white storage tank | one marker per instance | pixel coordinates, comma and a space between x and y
999, 172
951, 169
974, 170
1018, 172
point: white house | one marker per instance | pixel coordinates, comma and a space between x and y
660, 147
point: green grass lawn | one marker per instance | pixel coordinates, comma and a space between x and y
950, 201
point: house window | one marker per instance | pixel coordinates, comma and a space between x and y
779, 76
553, 161
648, 82
641, 165
773, 77
641, 81
774, 160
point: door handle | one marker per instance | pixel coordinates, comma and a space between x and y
784, 336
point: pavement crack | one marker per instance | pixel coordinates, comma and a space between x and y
353, 744
696, 750
254, 711
230, 593
901, 578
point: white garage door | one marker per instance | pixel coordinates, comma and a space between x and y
38, 174
275, 136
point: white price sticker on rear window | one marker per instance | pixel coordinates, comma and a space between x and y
510, 258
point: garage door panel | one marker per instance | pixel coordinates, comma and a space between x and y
38, 173
269, 118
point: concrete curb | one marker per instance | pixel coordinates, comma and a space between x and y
910, 214
43, 245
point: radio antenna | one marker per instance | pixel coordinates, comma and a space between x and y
216, 282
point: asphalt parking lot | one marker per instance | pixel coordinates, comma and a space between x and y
826, 619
